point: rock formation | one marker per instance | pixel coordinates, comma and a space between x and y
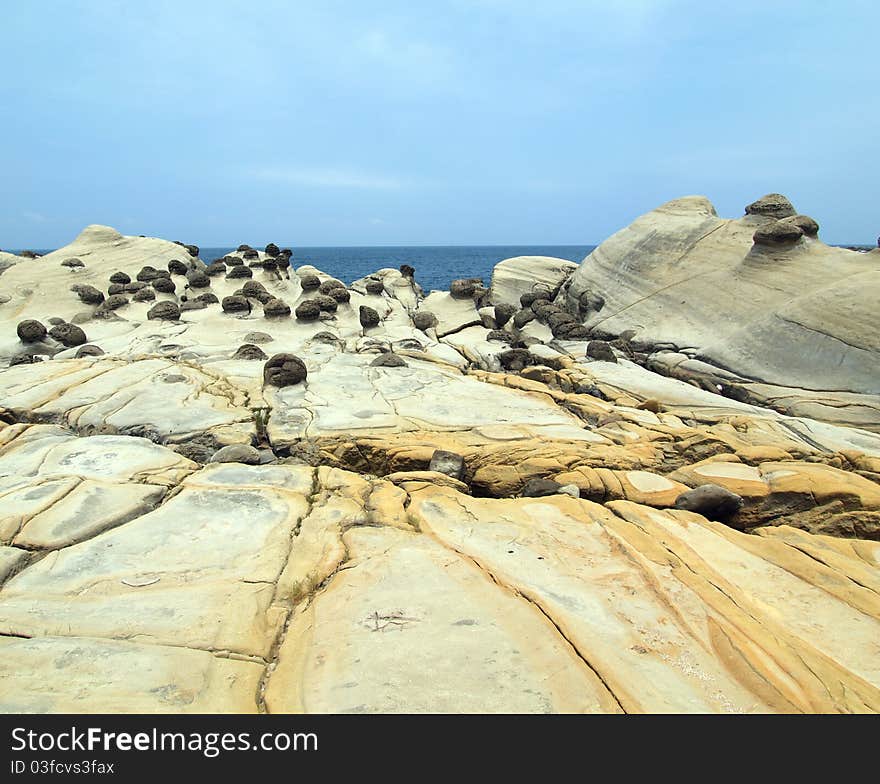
648, 483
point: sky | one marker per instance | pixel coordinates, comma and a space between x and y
448, 122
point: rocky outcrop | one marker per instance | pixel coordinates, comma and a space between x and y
762, 302
239, 511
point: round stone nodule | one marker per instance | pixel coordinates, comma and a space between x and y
283, 370
69, 335
326, 304
388, 360
309, 282
164, 311
90, 295
464, 288
374, 286
241, 271
774, 205
177, 267
235, 304
30, 331
778, 233
196, 279
120, 277
307, 310
88, 350
256, 290
209, 298
368, 317
424, 320
272, 250
340, 295
805, 223
164, 285
146, 294
249, 351
73, 263
276, 308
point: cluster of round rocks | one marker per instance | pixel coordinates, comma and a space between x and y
788, 228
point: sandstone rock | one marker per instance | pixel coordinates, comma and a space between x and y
164, 311
309, 282
72, 263
284, 370
464, 288
423, 320
536, 488
120, 277
146, 294
805, 223
30, 331
193, 304
197, 279
528, 275
374, 286
258, 337
177, 267
388, 360
240, 271
778, 233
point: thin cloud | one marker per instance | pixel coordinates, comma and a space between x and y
329, 178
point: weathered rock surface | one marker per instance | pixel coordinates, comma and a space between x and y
488, 524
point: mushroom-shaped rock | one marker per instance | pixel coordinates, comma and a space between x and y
250, 253
69, 335
120, 277
284, 370
177, 267
235, 304
805, 223
464, 288
424, 320
114, 302
146, 294
712, 501
256, 290
73, 263
537, 488
30, 331
193, 250
192, 304
307, 310
309, 282
340, 295
523, 317
778, 233
90, 295
135, 285
258, 337
209, 298
164, 311
328, 285
388, 360
197, 279
504, 312
272, 250
164, 285
215, 268
241, 271
231, 261
236, 453
147, 273
276, 308
243, 247
326, 337
407, 271
449, 463
368, 317
774, 205
601, 350
89, 350
249, 351
374, 286
115, 288
325, 303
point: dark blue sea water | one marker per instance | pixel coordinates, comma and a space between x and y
436, 267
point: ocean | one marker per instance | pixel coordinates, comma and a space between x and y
436, 267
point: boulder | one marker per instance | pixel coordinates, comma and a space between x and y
177, 267
236, 453
712, 501
388, 360
601, 350
374, 286
778, 233
284, 370
235, 304
424, 320
69, 335
524, 275
307, 310
276, 308
164, 285
89, 350
90, 295
538, 488
146, 294
368, 317
120, 277
309, 282
164, 311
449, 463
249, 351
774, 205
30, 331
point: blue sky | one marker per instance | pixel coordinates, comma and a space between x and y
489, 121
